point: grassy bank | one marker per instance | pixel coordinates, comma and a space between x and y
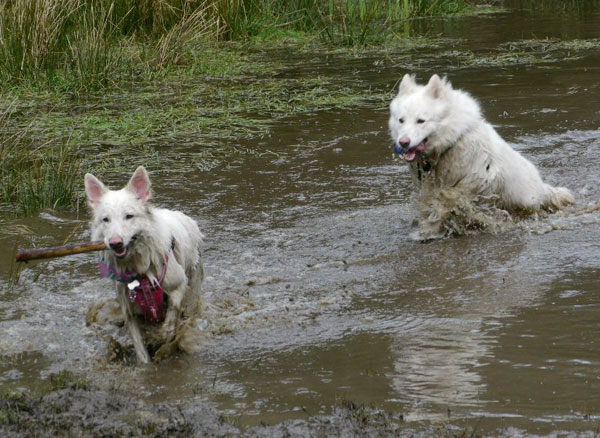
80, 45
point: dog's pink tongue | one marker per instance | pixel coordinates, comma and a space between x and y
411, 153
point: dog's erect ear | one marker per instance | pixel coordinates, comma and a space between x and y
139, 184
407, 84
94, 189
437, 86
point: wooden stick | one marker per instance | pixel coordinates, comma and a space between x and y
59, 251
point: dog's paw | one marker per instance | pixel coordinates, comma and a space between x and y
166, 350
425, 236
167, 332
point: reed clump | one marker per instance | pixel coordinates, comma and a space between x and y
33, 178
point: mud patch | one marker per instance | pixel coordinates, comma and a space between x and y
75, 410
80, 412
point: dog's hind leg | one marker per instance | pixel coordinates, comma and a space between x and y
131, 324
192, 303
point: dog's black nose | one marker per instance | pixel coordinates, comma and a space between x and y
116, 246
404, 142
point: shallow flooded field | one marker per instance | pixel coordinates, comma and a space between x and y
315, 292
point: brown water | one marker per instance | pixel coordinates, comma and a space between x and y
315, 289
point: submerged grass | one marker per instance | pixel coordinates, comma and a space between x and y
531, 52
202, 113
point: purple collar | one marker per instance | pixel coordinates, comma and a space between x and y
128, 276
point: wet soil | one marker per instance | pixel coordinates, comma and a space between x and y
315, 294
84, 412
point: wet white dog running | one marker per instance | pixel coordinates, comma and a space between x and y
153, 255
454, 153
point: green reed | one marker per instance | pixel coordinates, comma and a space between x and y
33, 178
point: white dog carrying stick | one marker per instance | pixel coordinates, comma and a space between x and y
152, 255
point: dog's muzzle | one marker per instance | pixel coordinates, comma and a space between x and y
410, 154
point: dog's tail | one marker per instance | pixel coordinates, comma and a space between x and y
558, 197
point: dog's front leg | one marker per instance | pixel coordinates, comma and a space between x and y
169, 326
131, 323
173, 312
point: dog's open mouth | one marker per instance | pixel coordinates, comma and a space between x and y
411, 154
121, 252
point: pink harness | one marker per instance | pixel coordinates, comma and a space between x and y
148, 296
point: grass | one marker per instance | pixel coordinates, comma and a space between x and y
531, 52
32, 178
79, 45
67, 379
13, 403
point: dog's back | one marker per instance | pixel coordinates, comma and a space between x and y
183, 234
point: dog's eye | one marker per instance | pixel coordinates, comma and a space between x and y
401, 120
105, 219
419, 121
128, 216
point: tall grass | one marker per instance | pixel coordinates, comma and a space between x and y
196, 24
31, 32
354, 22
86, 44
359, 22
338, 22
89, 53
81, 43
32, 178
44, 39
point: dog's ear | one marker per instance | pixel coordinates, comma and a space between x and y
139, 184
437, 86
94, 189
407, 84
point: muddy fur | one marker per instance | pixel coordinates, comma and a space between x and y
149, 241
464, 173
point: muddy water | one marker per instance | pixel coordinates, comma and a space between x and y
314, 290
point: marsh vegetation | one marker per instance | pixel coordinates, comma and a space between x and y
97, 85
118, 75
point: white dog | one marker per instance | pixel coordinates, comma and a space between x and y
453, 153
152, 254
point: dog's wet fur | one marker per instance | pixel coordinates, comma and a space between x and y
457, 159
